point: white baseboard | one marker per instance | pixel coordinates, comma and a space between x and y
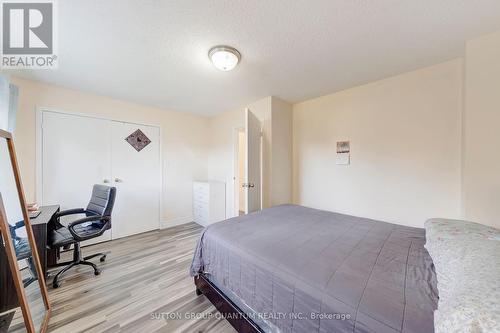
177, 221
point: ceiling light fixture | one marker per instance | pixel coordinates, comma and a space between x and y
224, 57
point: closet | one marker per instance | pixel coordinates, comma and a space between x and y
76, 152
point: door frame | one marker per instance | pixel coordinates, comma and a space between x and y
236, 170
39, 150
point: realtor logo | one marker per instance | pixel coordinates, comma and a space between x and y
28, 31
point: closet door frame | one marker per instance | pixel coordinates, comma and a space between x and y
39, 150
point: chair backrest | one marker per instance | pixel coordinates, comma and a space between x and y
102, 200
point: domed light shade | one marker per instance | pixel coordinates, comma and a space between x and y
224, 57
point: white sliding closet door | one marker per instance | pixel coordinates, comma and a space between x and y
76, 154
136, 175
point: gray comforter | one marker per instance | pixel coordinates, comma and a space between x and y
307, 270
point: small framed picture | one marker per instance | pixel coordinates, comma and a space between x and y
343, 152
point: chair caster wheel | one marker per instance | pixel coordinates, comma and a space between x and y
97, 272
56, 285
103, 258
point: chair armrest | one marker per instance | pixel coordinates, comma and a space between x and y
13, 228
95, 218
19, 224
69, 212
66, 212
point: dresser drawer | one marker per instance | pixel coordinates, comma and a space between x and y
202, 188
208, 202
200, 197
201, 214
201, 217
200, 207
201, 220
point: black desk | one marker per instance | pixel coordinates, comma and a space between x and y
41, 229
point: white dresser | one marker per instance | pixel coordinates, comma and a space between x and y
209, 202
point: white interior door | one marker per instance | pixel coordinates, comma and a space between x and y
136, 175
76, 154
252, 183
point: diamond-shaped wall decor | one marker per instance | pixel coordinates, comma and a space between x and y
138, 140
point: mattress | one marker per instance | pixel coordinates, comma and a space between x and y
306, 270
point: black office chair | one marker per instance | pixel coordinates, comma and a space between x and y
96, 222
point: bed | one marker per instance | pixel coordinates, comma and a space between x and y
295, 269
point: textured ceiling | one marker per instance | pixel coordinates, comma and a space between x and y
155, 52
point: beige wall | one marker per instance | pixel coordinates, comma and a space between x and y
184, 139
276, 118
422, 145
481, 176
223, 136
281, 157
405, 135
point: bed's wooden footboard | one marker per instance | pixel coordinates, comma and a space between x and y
233, 314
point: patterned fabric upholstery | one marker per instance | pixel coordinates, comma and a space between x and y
22, 248
21, 244
465, 255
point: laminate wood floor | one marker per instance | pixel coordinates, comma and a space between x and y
144, 284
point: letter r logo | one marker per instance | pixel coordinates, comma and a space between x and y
27, 27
